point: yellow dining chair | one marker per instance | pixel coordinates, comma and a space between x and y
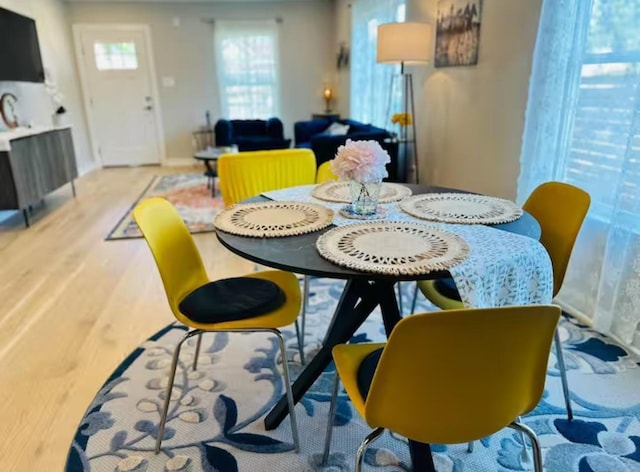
560, 209
248, 174
259, 302
416, 385
325, 174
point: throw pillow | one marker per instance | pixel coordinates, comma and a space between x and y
337, 129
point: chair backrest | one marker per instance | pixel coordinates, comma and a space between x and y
325, 174
173, 249
459, 375
560, 209
248, 174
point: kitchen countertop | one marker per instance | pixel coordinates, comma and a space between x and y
7, 136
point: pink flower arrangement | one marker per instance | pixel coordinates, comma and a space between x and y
363, 161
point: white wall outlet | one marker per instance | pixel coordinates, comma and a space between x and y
168, 82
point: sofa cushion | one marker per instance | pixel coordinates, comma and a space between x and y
260, 143
305, 130
249, 127
359, 129
336, 129
316, 126
224, 133
274, 128
253, 139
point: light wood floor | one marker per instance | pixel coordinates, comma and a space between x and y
72, 307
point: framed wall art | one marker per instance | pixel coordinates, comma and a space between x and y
458, 32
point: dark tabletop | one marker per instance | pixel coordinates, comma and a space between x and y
298, 253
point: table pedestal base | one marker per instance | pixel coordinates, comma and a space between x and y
358, 300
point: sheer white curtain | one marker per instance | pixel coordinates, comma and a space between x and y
371, 83
247, 68
583, 127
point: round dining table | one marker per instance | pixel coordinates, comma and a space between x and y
362, 293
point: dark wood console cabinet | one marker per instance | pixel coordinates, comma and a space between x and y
34, 166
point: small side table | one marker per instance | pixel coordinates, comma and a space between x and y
326, 115
210, 158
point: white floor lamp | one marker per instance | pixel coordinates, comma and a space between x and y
406, 44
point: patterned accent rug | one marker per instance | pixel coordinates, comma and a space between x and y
216, 422
188, 193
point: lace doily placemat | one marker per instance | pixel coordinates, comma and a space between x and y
461, 208
392, 248
338, 192
273, 219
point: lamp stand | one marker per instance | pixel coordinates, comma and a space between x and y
327, 105
409, 107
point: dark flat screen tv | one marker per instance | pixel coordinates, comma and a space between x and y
20, 59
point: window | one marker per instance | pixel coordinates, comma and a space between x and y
375, 95
583, 127
247, 64
604, 150
116, 56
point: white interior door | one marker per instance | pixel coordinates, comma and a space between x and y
119, 91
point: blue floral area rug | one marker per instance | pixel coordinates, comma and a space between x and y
216, 415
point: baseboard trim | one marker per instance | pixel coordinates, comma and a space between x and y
85, 169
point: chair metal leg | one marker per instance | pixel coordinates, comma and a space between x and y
330, 420
172, 375
287, 384
399, 286
415, 299
364, 445
197, 353
525, 449
563, 376
470, 447
537, 450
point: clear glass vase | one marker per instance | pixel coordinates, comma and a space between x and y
364, 197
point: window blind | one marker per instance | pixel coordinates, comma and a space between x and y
247, 68
604, 150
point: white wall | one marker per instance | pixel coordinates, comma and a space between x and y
57, 56
186, 53
470, 119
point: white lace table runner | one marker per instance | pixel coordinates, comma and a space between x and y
502, 269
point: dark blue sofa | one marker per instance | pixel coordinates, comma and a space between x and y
309, 134
251, 135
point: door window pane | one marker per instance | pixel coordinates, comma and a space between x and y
116, 56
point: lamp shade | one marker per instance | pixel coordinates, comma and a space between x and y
404, 42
